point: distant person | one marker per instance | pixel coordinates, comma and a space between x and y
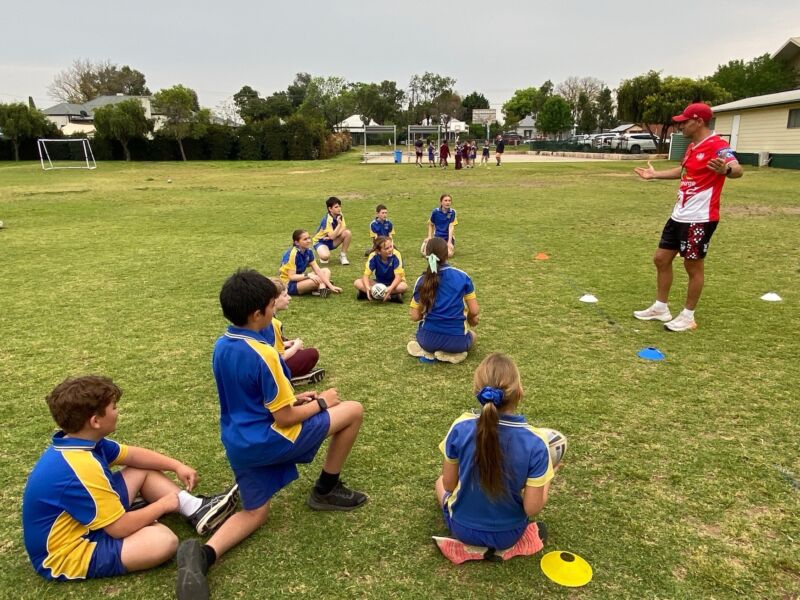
332, 233
473, 154
444, 154
499, 148
459, 156
418, 151
431, 155
444, 303
485, 153
708, 161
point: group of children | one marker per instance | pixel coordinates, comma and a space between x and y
81, 520
465, 154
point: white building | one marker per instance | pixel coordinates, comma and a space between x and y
79, 118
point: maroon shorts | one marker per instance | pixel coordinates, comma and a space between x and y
689, 239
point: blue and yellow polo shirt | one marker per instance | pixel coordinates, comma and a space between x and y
69, 495
441, 222
381, 228
252, 382
326, 226
526, 462
385, 271
449, 311
274, 335
295, 260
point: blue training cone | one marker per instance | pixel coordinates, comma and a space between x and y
651, 353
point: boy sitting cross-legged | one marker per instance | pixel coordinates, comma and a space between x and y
75, 511
267, 429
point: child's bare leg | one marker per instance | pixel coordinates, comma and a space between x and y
346, 420
238, 528
359, 283
343, 239
151, 484
440, 491
401, 288
323, 252
148, 547
307, 285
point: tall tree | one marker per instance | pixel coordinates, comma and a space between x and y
422, 89
18, 121
366, 99
122, 121
447, 106
756, 77
572, 87
177, 104
471, 102
329, 99
604, 108
524, 102
586, 114
391, 103
555, 116
86, 80
298, 88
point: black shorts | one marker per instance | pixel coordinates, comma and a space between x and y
689, 239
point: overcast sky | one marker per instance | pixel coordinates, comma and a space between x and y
492, 47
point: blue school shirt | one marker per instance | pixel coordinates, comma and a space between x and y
253, 383
326, 226
69, 496
441, 222
527, 463
273, 333
297, 260
385, 271
449, 311
377, 229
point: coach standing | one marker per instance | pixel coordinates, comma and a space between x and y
500, 147
708, 161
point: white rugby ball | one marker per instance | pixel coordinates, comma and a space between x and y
378, 291
557, 444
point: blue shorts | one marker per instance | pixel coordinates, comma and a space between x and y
291, 288
260, 483
327, 243
106, 559
431, 342
499, 540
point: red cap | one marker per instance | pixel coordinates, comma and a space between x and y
698, 110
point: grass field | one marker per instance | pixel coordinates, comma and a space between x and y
682, 476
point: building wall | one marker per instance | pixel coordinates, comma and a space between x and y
762, 129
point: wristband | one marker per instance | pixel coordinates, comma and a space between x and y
323, 406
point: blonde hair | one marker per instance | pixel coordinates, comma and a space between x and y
278, 284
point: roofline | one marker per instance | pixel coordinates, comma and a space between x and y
765, 104
790, 41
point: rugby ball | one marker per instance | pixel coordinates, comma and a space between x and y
378, 291
557, 444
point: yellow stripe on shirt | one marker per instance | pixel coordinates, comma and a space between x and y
285, 394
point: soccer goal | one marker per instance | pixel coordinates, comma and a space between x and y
68, 153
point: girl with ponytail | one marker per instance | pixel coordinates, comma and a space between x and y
497, 468
444, 303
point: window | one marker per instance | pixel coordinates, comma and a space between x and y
794, 118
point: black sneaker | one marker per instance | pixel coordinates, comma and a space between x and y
396, 298
339, 498
314, 376
361, 295
191, 583
214, 510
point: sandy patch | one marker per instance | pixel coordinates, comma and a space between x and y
306, 172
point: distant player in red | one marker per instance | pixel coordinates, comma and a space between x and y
444, 154
708, 161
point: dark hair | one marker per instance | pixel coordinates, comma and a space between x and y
380, 207
332, 201
430, 280
297, 234
243, 293
75, 400
379, 241
498, 371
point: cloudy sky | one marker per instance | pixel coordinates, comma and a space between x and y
492, 47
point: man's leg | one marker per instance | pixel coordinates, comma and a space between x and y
696, 271
663, 261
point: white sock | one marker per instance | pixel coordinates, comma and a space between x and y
188, 504
688, 313
659, 306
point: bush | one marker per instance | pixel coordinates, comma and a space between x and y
274, 139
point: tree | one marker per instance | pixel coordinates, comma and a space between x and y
471, 102
86, 80
329, 99
177, 104
586, 113
122, 121
391, 102
572, 87
18, 121
297, 90
366, 98
422, 89
447, 106
523, 103
759, 76
555, 116
604, 108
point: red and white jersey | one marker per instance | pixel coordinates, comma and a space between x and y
701, 188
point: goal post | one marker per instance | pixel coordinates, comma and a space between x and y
76, 152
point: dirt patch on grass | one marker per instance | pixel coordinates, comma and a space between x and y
54, 193
757, 210
351, 196
308, 171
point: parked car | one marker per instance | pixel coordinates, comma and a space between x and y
635, 143
512, 137
604, 140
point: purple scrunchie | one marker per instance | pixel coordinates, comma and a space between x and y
490, 394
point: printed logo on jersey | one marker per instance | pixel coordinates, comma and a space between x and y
726, 153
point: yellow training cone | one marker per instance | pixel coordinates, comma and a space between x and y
566, 568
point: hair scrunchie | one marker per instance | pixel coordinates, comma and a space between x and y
490, 394
432, 260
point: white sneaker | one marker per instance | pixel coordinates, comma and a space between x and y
681, 323
414, 349
322, 262
343, 259
651, 314
451, 357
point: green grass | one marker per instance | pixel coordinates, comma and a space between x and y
681, 478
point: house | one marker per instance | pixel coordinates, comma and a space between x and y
790, 53
355, 126
526, 128
79, 118
763, 129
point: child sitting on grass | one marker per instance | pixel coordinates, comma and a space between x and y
267, 429
294, 263
386, 265
496, 471
300, 360
332, 233
76, 516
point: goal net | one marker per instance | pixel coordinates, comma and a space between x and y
70, 153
